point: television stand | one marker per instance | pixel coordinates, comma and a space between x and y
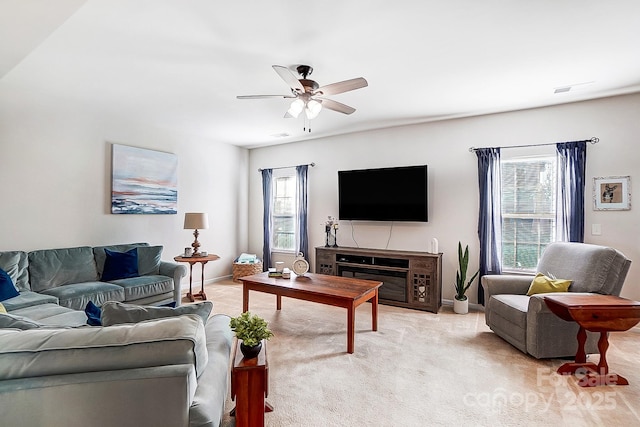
410, 279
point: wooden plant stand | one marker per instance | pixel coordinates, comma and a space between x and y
250, 387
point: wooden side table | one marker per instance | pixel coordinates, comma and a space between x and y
595, 313
250, 387
193, 260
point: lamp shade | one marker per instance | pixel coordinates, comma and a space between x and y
196, 221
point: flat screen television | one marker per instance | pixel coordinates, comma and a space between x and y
386, 194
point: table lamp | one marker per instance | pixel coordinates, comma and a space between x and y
196, 221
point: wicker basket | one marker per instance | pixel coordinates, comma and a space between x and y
241, 270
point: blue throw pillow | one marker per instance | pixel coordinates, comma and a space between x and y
93, 313
120, 265
7, 290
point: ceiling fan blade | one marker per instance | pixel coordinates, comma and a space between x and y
340, 87
336, 106
264, 96
289, 78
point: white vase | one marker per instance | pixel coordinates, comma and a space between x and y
460, 307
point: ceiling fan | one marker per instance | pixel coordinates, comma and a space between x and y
309, 96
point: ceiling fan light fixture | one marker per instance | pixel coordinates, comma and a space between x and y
313, 109
296, 108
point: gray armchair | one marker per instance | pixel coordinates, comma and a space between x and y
527, 323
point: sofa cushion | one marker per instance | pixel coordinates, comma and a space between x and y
15, 264
78, 295
114, 313
149, 259
509, 318
17, 322
39, 352
120, 265
542, 284
100, 256
50, 268
28, 299
592, 268
208, 403
53, 315
136, 288
7, 289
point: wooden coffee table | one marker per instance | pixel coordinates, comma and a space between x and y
338, 291
595, 313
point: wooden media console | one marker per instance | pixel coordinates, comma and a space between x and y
410, 279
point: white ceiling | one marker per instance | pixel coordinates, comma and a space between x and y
179, 64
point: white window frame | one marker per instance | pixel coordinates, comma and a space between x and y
534, 216
279, 174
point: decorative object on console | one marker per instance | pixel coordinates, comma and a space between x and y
460, 301
251, 330
434, 246
300, 265
612, 193
331, 225
196, 221
143, 181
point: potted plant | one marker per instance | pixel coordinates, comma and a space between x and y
460, 301
251, 330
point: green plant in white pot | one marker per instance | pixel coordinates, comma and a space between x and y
460, 301
251, 330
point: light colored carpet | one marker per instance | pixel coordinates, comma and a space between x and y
421, 369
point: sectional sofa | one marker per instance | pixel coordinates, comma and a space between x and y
147, 366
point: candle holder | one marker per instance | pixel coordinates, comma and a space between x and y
327, 230
335, 237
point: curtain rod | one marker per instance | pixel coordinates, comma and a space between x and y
593, 140
286, 167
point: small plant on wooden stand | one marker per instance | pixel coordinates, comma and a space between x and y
460, 301
251, 330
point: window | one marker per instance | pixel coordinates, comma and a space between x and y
528, 210
283, 215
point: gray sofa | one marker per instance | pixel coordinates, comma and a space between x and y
527, 323
164, 372
138, 370
71, 277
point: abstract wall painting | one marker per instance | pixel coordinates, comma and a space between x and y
143, 181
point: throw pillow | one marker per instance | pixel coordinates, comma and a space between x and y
93, 313
7, 289
120, 265
149, 260
542, 284
115, 313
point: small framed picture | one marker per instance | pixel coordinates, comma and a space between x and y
612, 193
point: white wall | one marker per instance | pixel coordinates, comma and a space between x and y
453, 183
56, 181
